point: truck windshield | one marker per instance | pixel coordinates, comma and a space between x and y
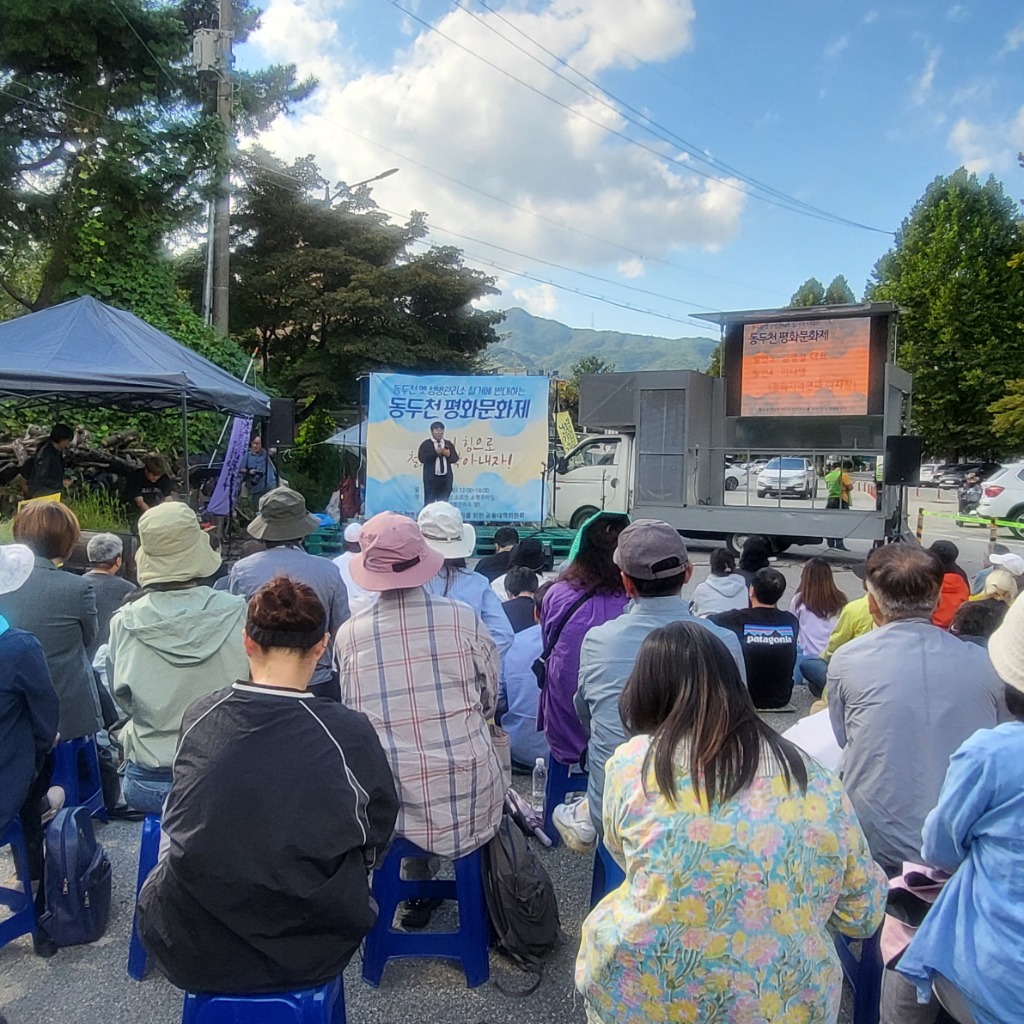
784, 464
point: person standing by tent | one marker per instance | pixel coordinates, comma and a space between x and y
258, 470
438, 455
839, 485
47, 474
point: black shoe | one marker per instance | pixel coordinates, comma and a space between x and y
416, 914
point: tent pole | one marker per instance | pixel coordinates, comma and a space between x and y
184, 444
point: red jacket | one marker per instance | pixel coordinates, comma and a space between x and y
953, 594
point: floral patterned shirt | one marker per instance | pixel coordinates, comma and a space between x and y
722, 915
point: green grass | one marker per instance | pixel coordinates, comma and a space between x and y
99, 510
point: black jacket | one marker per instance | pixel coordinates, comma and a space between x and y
493, 566
428, 456
280, 805
47, 473
29, 710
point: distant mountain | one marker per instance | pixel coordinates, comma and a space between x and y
540, 345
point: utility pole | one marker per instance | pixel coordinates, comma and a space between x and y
222, 205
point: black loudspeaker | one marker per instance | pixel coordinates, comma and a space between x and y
281, 428
902, 466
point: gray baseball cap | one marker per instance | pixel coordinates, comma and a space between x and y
650, 549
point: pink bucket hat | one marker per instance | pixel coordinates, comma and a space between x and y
394, 555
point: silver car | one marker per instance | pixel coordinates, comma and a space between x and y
787, 475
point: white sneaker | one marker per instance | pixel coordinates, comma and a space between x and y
574, 825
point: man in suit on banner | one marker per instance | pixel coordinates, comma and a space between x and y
438, 455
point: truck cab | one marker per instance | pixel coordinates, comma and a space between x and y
594, 477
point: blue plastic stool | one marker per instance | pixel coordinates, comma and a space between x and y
561, 782
23, 919
149, 851
468, 944
607, 875
864, 973
324, 1004
67, 765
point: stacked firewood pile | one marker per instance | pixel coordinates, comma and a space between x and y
84, 457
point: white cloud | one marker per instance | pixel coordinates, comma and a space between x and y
1014, 39
439, 106
957, 12
870, 17
834, 49
982, 148
631, 269
540, 301
922, 86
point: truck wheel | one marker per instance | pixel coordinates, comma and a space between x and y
779, 544
731, 483
581, 515
734, 543
762, 494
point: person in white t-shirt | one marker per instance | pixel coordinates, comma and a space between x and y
358, 599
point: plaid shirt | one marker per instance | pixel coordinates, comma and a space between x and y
424, 670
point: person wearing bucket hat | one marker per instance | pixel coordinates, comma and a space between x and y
444, 531
59, 609
424, 670
999, 557
29, 715
282, 524
173, 642
588, 593
970, 938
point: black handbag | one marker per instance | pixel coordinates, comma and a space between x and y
540, 666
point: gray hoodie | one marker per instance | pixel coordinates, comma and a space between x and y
168, 648
720, 594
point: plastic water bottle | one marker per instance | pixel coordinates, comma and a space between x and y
540, 785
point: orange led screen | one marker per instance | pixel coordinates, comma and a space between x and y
806, 368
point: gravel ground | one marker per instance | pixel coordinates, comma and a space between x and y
88, 984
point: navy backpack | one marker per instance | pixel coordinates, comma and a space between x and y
76, 880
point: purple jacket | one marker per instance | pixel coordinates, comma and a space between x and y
556, 715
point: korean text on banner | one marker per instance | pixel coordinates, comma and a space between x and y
225, 494
566, 431
497, 425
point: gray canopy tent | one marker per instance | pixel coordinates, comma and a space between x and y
88, 353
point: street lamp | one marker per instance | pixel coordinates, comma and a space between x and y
343, 187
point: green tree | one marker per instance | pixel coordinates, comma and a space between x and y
329, 292
1008, 415
810, 293
963, 304
109, 141
839, 292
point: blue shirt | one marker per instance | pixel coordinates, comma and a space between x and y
972, 934
518, 694
249, 574
258, 471
473, 589
606, 660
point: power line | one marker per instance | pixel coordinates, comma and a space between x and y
559, 266
809, 212
156, 61
579, 291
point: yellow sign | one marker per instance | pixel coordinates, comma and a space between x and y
42, 497
566, 431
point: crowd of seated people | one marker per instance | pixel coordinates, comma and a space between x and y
344, 705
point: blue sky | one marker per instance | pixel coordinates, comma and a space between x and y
851, 108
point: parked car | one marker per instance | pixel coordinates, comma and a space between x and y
788, 475
1002, 496
735, 476
953, 477
930, 470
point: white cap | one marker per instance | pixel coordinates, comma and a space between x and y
1006, 647
1011, 562
352, 532
541, 762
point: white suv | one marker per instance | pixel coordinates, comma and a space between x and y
1002, 496
787, 476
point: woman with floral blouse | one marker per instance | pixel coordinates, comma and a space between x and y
738, 851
